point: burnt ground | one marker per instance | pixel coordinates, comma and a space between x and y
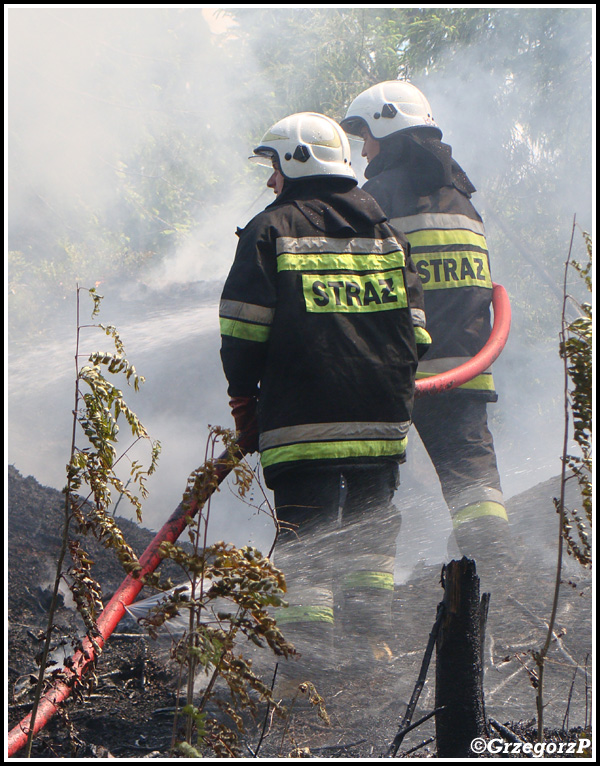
130, 711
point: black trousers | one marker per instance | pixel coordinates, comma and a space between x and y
338, 539
454, 430
337, 501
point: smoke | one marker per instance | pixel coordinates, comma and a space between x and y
88, 88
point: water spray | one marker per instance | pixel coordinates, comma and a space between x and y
151, 558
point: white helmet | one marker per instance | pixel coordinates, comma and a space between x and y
305, 145
387, 108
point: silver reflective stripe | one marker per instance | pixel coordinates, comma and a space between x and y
411, 223
418, 317
358, 245
302, 594
475, 495
325, 432
436, 366
248, 312
370, 562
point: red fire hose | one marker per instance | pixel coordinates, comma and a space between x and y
110, 617
445, 381
151, 558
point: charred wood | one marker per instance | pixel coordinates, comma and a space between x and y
459, 670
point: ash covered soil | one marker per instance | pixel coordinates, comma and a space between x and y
129, 712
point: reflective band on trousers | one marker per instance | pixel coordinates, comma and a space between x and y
475, 495
294, 614
427, 368
372, 562
478, 511
360, 579
484, 382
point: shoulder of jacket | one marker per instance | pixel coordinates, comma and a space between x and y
261, 222
387, 228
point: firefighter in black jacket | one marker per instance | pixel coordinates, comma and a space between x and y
427, 196
322, 325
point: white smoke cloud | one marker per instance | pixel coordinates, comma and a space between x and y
84, 89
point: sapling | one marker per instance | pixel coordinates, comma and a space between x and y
91, 477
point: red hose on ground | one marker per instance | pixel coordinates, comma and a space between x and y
109, 618
151, 558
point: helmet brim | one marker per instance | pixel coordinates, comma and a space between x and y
258, 159
354, 125
264, 155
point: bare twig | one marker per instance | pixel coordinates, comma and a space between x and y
540, 656
63, 550
264, 728
556, 637
401, 734
419, 685
565, 725
509, 735
419, 746
331, 748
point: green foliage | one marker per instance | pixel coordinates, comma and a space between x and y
576, 348
230, 604
576, 351
99, 406
92, 469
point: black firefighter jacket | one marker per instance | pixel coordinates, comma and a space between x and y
322, 317
426, 196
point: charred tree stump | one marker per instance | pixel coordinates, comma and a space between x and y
459, 664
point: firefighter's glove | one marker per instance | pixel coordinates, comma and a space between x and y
243, 409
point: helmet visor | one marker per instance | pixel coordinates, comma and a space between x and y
264, 156
354, 126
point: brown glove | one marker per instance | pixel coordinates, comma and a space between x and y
243, 409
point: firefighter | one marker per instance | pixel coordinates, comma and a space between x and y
427, 196
322, 325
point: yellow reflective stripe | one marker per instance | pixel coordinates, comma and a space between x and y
363, 579
295, 614
462, 268
422, 336
333, 450
333, 432
432, 237
483, 382
325, 293
477, 511
244, 330
355, 262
